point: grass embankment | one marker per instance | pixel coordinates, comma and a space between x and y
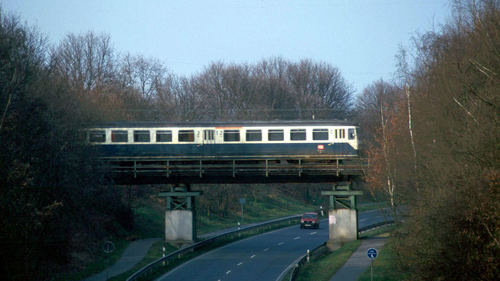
385, 266
100, 263
265, 208
154, 253
323, 267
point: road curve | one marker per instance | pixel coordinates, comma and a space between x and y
262, 257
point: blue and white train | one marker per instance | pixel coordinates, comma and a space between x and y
219, 140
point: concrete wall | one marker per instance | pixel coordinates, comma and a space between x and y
179, 226
343, 227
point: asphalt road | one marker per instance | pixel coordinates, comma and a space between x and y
262, 257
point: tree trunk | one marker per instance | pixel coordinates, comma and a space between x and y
410, 129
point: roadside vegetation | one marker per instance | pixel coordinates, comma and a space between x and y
322, 267
432, 137
384, 266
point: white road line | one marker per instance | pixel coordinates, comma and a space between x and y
312, 233
227, 272
240, 263
281, 243
266, 249
296, 238
253, 256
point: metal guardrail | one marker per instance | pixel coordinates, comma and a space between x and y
294, 267
374, 226
151, 268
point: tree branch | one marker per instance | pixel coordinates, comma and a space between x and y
5, 111
468, 113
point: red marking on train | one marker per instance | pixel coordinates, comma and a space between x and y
321, 147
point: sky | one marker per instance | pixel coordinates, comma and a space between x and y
359, 37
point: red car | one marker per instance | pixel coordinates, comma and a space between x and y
309, 220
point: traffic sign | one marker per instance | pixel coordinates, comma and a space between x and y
108, 247
372, 253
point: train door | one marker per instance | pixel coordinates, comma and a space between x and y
208, 142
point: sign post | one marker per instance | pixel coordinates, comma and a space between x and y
108, 247
372, 254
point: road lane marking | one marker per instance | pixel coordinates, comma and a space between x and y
296, 238
240, 263
266, 249
253, 256
312, 233
227, 272
281, 243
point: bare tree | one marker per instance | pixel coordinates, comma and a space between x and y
377, 107
87, 61
404, 76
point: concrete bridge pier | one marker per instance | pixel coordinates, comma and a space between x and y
180, 214
343, 215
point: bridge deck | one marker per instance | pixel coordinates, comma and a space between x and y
150, 170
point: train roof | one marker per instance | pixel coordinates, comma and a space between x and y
154, 124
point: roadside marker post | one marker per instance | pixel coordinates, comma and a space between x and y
372, 254
164, 256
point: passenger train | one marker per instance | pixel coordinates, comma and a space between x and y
214, 140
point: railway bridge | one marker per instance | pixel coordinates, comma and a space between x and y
183, 154
181, 173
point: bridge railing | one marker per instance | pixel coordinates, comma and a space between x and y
173, 258
147, 167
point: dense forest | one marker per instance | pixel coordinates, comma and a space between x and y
431, 135
434, 142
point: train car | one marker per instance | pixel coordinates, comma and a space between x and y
218, 140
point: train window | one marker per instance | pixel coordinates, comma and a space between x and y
351, 134
275, 135
142, 136
186, 135
298, 134
254, 135
163, 136
119, 136
342, 133
231, 135
320, 134
97, 136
